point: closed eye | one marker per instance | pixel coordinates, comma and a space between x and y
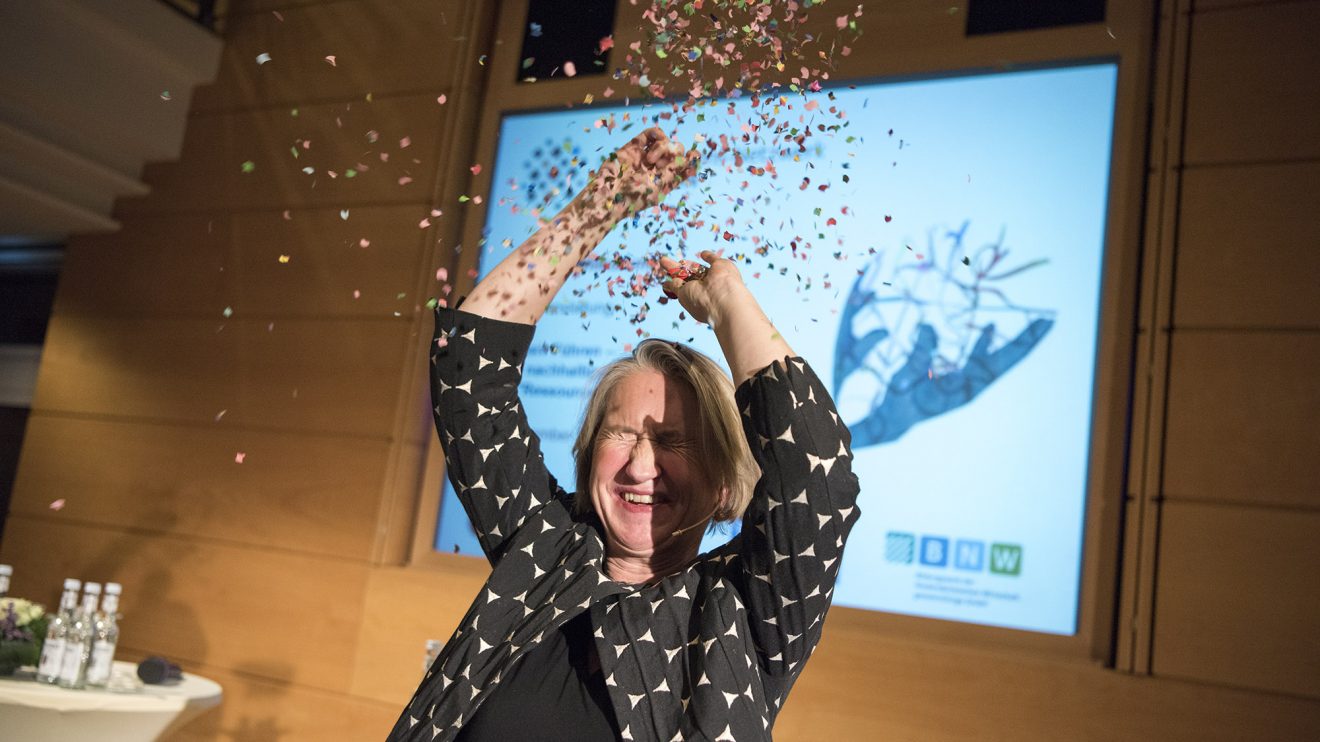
674, 441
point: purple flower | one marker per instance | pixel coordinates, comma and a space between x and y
9, 629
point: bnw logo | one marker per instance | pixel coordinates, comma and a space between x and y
968, 555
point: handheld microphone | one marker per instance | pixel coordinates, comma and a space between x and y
157, 670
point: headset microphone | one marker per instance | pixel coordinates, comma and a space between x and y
698, 523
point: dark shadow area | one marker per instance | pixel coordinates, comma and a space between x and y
29, 275
1000, 16
560, 31
13, 421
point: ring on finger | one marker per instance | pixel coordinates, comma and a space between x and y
687, 272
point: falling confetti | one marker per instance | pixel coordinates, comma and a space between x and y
331, 59
248, 166
263, 58
284, 258
165, 95
534, 30
229, 312
57, 505
238, 457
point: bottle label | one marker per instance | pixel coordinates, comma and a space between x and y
72, 666
98, 669
52, 657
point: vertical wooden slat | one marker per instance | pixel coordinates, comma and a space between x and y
1140, 554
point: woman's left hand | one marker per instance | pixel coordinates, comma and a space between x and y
718, 297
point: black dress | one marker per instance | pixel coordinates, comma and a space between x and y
708, 653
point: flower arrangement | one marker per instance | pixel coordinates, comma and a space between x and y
22, 630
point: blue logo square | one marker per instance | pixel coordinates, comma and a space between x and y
969, 555
934, 551
899, 547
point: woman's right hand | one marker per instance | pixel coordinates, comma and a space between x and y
639, 175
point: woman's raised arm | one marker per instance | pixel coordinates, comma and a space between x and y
639, 175
720, 299
804, 503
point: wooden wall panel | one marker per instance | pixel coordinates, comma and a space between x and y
195, 265
313, 494
1251, 85
260, 710
166, 264
209, 174
863, 685
1241, 418
1237, 599
366, 266
1247, 252
261, 612
233, 8
312, 375
401, 610
404, 46
1202, 5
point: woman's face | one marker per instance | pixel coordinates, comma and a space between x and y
645, 479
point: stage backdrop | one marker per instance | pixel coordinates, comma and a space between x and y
937, 260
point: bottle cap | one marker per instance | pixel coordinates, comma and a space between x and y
92, 588
113, 588
72, 584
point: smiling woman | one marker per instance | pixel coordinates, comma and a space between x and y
662, 453
600, 620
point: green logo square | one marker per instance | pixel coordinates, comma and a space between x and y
1006, 559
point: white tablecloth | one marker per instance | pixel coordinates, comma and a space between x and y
36, 712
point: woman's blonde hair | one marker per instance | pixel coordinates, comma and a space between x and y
722, 450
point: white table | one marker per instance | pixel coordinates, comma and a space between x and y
36, 712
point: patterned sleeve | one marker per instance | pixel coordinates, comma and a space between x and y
492, 457
801, 512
